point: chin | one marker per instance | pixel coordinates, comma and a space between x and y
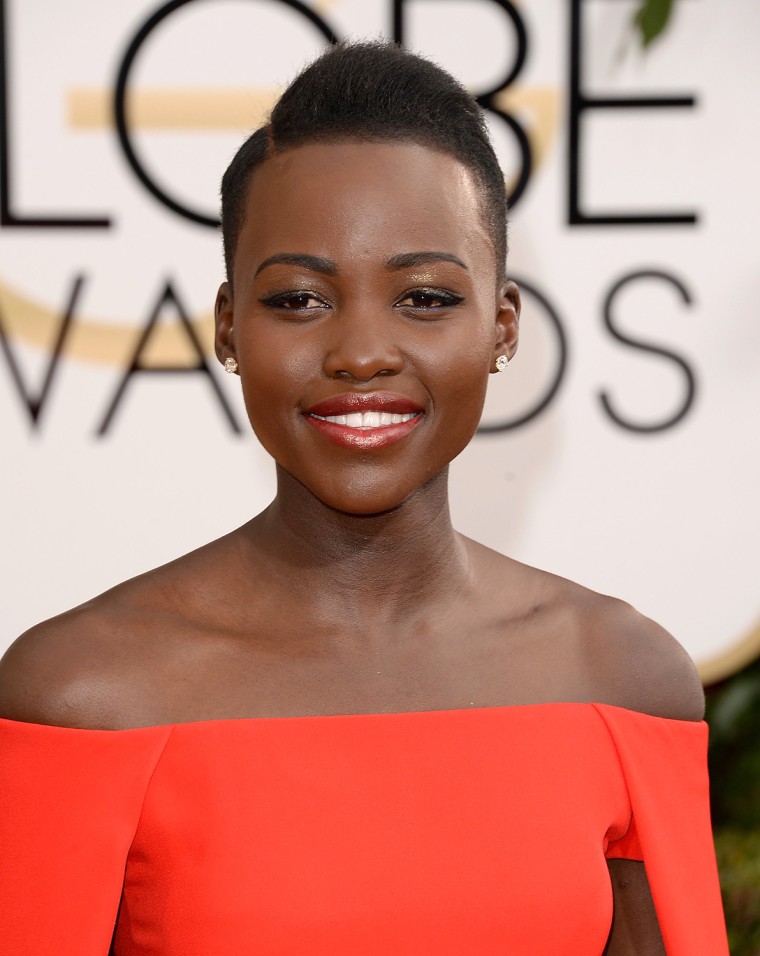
363, 491
375, 500
365, 506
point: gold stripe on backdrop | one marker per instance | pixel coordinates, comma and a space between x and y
239, 109
731, 660
98, 341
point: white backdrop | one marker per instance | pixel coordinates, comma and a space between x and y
638, 476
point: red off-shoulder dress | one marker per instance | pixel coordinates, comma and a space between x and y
445, 833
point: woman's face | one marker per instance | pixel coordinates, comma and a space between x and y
365, 318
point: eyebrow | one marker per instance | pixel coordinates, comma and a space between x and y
405, 260
315, 263
408, 260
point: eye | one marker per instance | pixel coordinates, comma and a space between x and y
296, 301
428, 300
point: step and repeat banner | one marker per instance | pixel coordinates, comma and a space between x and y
621, 448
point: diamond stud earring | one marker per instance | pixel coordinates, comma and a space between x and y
230, 365
501, 363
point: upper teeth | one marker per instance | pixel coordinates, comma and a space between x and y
367, 419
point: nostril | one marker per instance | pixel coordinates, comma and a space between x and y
363, 361
342, 373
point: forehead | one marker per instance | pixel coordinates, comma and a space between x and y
358, 200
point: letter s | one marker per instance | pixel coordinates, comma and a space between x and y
643, 346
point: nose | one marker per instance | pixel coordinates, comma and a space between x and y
362, 345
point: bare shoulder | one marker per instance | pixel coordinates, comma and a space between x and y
56, 672
93, 665
635, 663
579, 645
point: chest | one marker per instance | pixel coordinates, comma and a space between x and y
300, 670
369, 835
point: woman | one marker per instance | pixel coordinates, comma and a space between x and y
461, 754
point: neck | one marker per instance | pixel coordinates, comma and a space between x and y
377, 568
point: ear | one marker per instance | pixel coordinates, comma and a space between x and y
224, 338
507, 322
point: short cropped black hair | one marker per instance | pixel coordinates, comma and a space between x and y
372, 92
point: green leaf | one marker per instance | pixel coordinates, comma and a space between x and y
651, 19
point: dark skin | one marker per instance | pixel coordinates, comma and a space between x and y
352, 592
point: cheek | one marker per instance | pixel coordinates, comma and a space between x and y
272, 374
462, 371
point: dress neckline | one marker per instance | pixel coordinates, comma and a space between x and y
434, 714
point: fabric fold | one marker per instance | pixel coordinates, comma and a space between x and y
70, 802
664, 764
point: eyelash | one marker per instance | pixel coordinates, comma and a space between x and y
280, 300
446, 300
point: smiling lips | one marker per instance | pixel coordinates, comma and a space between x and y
363, 422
